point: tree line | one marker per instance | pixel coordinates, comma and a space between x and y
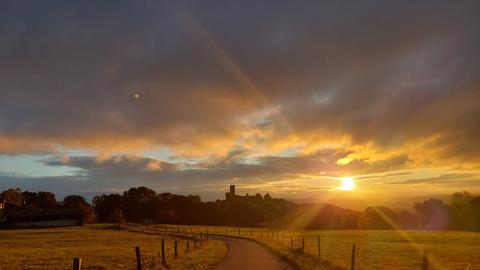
141, 204
46, 200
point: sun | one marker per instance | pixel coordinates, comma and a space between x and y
347, 183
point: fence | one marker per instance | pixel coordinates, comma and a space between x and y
296, 242
198, 236
299, 243
198, 239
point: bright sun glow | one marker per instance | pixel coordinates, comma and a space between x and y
347, 183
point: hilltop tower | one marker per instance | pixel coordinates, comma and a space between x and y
230, 195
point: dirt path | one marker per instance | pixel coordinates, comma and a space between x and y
247, 255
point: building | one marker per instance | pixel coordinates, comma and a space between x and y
230, 195
14, 216
2, 211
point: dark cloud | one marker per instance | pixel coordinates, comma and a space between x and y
369, 70
234, 83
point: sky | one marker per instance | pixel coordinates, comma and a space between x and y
284, 97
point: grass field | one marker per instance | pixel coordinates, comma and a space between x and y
376, 249
99, 247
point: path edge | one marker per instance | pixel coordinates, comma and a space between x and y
292, 263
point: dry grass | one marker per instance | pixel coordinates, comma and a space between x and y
113, 249
99, 247
376, 249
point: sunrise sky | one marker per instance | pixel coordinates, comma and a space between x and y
281, 97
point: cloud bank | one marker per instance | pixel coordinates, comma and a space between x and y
241, 90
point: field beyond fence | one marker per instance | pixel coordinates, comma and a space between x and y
374, 249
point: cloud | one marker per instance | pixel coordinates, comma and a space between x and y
290, 90
152, 172
448, 178
386, 77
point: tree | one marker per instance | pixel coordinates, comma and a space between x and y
460, 199
30, 199
381, 217
376, 218
475, 209
75, 201
46, 200
13, 196
432, 214
461, 216
117, 217
105, 205
135, 203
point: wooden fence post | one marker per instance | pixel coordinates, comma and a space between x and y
139, 258
425, 260
352, 265
77, 263
176, 254
318, 247
163, 252
303, 244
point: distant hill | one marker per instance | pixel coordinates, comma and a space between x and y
319, 216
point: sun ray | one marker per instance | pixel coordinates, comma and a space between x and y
433, 261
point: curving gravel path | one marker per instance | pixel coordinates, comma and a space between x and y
244, 254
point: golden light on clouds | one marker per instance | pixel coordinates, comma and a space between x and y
197, 106
154, 165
